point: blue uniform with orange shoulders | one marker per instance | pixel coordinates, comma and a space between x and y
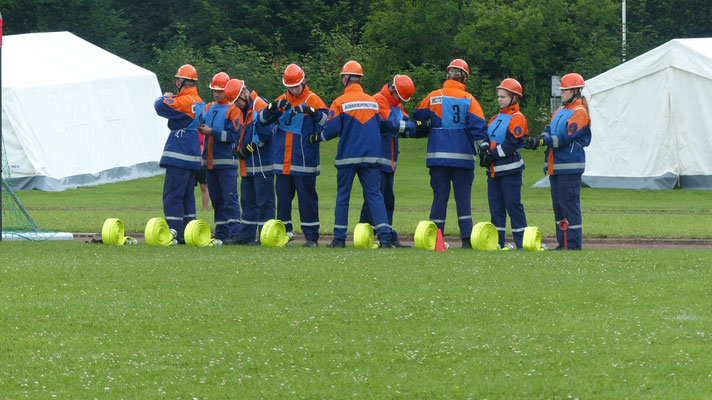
181, 155
394, 122
565, 137
256, 172
458, 126
505, 135
296, 162
225, 120
354, 117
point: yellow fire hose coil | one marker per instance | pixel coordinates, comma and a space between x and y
112, 232
197, 233
363, 237
484, 236
425, 235
274, 234
157, 233
532, 238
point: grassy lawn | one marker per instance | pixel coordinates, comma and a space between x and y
607, 212
92, 321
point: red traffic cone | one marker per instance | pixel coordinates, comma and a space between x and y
440, 242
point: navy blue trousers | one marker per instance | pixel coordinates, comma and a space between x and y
370, 178
461, 178
566, 200
389, 199
222, 187
179, 198
257, 200
305, 187
505, 197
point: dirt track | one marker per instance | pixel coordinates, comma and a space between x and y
590, 243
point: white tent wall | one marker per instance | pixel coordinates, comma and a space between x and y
85, 117
650, 121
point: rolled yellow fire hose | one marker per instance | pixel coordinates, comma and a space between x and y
363, 237
532, 239
197, 233
484, 236
112, 232
274, 234
157, 233
425, 235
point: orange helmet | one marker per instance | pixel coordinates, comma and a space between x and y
572, 81
293, 76
219, 81
459, 64
233, 89
511, 85
404, 86
187, 71
352, 68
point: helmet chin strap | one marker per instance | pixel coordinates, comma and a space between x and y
574, 97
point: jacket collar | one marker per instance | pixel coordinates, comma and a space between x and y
454, 85
191, 91
354, 87
574, 104
510, 110
386, 92
298, 99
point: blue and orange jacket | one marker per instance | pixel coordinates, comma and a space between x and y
226, 121
505, 135
566, 135
260, 135
394, 122
458, 126
354, 117
185, 113
294, 155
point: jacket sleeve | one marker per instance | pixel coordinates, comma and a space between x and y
516, 131
422, 111
233, 126
174, 107
333, 125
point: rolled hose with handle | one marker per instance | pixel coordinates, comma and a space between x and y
112, 232
197, 233
425, 235
484, 236
158, 233
274, 234
363, 237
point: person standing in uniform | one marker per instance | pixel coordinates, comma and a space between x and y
353, 117
568, 132
256, 170
297, 114
223, 122
181, 154
500, 156
458, 128
394, 122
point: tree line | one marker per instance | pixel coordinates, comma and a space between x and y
529, 40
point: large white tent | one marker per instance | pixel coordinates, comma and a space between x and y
651, 120
74, 114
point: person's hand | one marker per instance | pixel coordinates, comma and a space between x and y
422, 128
532, 143
170, 95
488, 158
313, 138
283, 104
304, 109
243, 152
205, 130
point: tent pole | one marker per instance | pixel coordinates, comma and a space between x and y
623, 27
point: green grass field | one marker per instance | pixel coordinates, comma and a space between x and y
606, 212
93, 321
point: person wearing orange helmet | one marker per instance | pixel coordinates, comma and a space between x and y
223, 121
458, 127
394, 122
354, 117
254, 150
565, 137
181, 155
297, 114
500, 156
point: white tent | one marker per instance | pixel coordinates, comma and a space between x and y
74, 114
651, 122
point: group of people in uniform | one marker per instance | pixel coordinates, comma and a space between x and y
274, 147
